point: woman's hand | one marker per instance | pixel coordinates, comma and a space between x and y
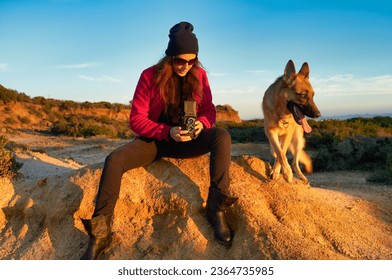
178, 135
198, 128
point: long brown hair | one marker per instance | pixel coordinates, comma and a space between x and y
169, 84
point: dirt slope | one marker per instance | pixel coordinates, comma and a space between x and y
160, 212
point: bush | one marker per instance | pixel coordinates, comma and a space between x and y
383, 175
10, 121
9, 167
338, 130
248, 135
380, 177
87, 126
24, 120
33, 111
95, 130
353, 153
357, 153
250, 131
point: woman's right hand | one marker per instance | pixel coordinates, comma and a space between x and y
178, 135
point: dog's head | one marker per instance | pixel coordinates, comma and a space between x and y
300, 94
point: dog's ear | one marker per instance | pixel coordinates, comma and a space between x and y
289, 72
304, 70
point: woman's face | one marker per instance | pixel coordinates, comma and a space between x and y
182, 63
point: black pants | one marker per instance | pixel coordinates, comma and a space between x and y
141, 152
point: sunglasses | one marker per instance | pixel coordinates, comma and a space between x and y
181, 62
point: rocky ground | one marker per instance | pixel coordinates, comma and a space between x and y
160, 212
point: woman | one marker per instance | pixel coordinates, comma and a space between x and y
155, 118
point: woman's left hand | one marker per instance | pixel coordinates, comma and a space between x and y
198, 128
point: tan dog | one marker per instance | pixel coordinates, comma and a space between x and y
285, 104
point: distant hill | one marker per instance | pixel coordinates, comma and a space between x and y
20, 111
351, 116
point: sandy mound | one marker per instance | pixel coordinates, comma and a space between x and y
160, 215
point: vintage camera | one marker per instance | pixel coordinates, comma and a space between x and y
188, 118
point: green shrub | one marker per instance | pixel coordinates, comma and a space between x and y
380, 177
357, 153
383, 175
87, 126
7, 110
10, 121
353, 153
33, 111
9, 167
24, 120
249, 131
338, 130
95, 130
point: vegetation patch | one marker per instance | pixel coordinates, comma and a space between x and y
9, 167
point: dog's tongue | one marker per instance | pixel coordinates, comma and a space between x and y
305, 125
299, 117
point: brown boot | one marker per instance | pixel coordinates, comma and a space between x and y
217, 203
98, 228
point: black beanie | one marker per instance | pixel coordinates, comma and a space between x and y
182, 40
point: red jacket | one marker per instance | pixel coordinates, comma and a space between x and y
147, 106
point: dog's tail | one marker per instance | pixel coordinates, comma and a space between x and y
307, 162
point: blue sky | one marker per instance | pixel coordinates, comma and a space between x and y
95, 50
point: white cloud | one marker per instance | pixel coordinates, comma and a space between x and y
100, 79
353, 86
217, 74
80, 65
3, 66
237, 91
255, 72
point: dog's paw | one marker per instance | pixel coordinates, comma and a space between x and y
274, 176
288, 178
288, 175
305, 181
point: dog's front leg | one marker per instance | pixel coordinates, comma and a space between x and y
274, 145
275, 173
286, 168
296, 148
279, 151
